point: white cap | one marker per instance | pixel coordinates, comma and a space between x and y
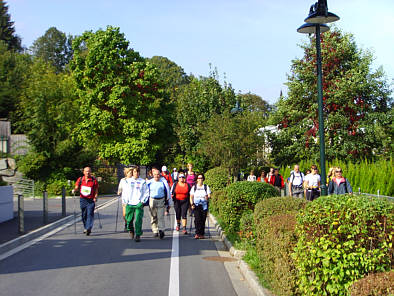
174, 169
164, 168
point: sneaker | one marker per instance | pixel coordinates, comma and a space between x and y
155, 234
161, 234
196, 236
184, 231
131, 234
84, 231
177, 228
88, 231
137, 238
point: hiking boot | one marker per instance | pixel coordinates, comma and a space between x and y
88, 231
84, 231
137, 238
184, 231
177, 228
161, 234
131, 234
155, 234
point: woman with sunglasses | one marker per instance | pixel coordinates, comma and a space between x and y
180, 195
339, 184
312, 184
199, 196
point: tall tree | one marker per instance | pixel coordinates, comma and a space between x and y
53, 47
356, 100
254, 103
197, 102
7, 30
122, 103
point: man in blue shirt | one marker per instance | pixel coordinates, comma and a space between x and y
159, 192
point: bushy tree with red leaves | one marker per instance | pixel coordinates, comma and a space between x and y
356, 100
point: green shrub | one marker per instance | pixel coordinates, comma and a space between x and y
241, 197
217, 178
376, 284
274, 220
217, 199
247, 232
55, 187
341, 239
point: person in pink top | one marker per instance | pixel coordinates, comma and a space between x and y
191, 177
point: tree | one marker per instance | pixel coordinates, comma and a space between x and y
13, 71
122, 103
53, 47
49, 110
356, 100
254, 103
7, 30
197, 102
232, 140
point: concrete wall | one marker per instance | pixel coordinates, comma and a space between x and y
6, 203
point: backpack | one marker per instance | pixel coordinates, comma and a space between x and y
293, 175
80, 181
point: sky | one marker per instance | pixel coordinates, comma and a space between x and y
250, 42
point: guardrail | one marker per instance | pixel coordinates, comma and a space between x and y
22, 186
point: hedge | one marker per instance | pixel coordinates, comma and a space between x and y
376, 284
342, 239
217, 178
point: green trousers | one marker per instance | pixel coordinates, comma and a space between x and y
138, 212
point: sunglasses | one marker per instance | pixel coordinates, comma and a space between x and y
181, 176
338, 171
199, 178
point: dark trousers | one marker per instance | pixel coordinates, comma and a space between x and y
200, 216
181, 207
312, 194
87, 208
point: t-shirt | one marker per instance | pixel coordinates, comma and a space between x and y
158, 189
252, 178
296, 179
181, 191
191, 179
313, 180
88, 187
133, 191
199, 195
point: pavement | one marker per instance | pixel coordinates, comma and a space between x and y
108, 262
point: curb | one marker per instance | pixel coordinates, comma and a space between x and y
249, 274
16, 242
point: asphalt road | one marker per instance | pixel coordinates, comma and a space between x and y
110, 263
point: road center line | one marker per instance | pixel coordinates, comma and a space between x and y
173, 288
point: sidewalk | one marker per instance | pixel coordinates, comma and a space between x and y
34, 214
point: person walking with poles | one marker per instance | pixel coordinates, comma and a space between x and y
199, 196
159, 192
296, 182
180, 193
134, 192
88, 192
312, 184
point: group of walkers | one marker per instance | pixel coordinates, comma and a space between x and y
305, 185
185, 191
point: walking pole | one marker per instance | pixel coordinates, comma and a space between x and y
117, 214
191, 222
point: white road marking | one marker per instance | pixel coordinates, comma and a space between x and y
173, 287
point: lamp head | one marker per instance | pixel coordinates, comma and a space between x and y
311, 28
319, 14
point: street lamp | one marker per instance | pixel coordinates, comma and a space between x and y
315, 24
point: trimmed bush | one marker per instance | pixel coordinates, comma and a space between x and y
217, 178
247, 232
275, 220
241, 197
217, 198
341, 239
377, 284
55, 187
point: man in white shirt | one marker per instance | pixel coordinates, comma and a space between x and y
312, 184
296, 182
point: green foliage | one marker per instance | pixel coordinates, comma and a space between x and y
241, 197
356, 104
247, 232
54, 48
232, 141
7, 30
54, 187
217, 178
341, 239
275, 220
376, 284
122, 104
217, 199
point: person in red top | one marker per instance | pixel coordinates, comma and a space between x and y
180, 195
277, 181
166, 175
263, 178
88, 188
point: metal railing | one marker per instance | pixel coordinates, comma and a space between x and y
22, 186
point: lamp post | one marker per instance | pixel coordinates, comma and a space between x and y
315, 24
237, 109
